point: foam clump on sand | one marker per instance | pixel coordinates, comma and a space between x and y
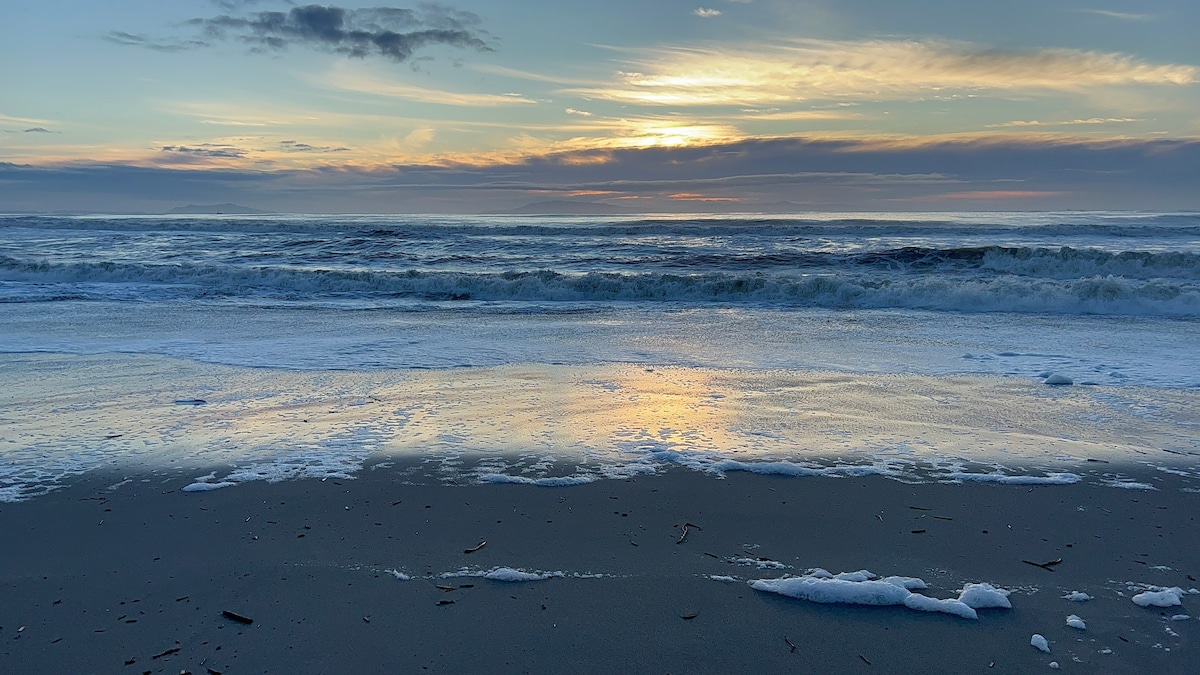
1077, 596
1163, 597
1040, 642
864, 588
399, 575
925, 603
1075, 622
205, 486
984, 596
552, 481
725, 579
510, 574
907, 583
1062, 478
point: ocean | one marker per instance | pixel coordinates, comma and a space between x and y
558, 350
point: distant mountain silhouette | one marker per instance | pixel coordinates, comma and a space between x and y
210, 209
562, 207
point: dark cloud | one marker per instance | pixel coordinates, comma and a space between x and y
206, 150
390, 32
296, 146
753, 180
38, 130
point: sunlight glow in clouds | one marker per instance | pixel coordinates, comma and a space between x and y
812, 101
876, 69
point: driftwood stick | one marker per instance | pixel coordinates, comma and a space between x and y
237, 617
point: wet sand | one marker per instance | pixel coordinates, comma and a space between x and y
135, 578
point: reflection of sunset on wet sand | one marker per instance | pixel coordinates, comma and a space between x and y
530, 422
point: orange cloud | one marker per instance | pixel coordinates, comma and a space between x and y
696, 197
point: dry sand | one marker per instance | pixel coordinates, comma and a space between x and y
135, 579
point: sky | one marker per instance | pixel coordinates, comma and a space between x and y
485, 105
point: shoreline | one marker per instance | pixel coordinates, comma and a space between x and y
144, 413
103, 576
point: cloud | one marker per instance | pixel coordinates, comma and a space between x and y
1090, 120
38, 130
27, 121
206, 150
1029, 171
297, 146
697, 197
581, 113
1124, 16
706, 13
234, 5
776, 115
651, 186
1000, 194
798, 70
388, 32
347, 79
155, 44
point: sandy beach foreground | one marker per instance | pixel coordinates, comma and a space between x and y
135, 577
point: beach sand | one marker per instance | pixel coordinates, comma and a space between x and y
134, 578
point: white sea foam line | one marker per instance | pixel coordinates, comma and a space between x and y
516, 575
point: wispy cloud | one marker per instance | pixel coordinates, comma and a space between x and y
348, 79
392, 33
1070, 123
797, 115
999, 194
801, 70
581, 113
504, 71
698, 197
158, 44
233, 5
706, 13
26, 121
1124, 16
